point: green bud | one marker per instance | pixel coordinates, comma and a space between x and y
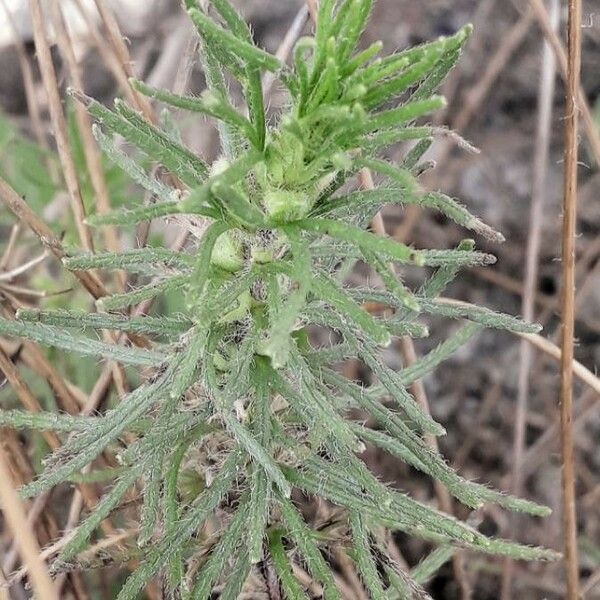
228, 253
284, 206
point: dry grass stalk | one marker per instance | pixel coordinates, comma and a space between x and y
9, 248
117, 41
16, 519
59, 124
24, 214
24, 394
568, 297
92, 154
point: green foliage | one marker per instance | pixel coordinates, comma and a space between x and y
235, 378
25, 166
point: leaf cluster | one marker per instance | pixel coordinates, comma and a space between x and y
235, 377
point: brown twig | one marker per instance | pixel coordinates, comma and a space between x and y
59, 123
21, 210
121, 51
14, 514
23, 268
10, 246
568, 298
546, 346
106, 52
534, 237
24, 394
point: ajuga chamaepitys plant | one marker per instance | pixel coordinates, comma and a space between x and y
237, 409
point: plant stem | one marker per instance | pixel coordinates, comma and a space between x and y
568, 299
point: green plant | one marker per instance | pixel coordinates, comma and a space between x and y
238, 408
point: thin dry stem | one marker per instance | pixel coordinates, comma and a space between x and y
10, 246
59, 123
91, 152
16, 519
117, 41
26, 266
24, 394
106, 52
568, 299
313, 9
549, 348
21, 210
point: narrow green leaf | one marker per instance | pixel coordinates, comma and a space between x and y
404, 114
393, 384
364, 558
117, 301
391, 281
439, 354
303, 538
231, 44
363, 239
43, 421
155, 144
162, 191
459, 214
132, 216
405, 444
190, 521
217, 564
190, 362
328, 291
84, 447
237, 171
290, 585
383, 91
78, 541
452, 49
359, 11
257, 515
238, 206
150, 512
235, 582
209, 103
78, 319
204, 254
56, 337
257, 452
142, 257
477, 314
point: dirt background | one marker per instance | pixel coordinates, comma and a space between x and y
474, 394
